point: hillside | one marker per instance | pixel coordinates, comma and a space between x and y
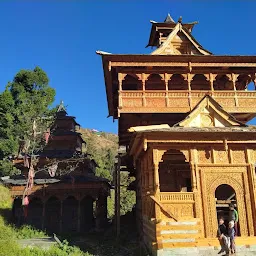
102, 147
101, 140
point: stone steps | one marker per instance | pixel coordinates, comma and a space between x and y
178, 234
204, 251
44, 243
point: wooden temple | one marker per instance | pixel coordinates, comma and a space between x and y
73, 200
182, 115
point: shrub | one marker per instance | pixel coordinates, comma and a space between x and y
26, 232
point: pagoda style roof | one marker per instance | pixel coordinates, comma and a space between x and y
169, 36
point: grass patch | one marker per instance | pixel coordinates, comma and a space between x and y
10, 234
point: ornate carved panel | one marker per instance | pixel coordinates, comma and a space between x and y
211, 178
156, 102
221, 155
238, 156
204, 156
182, 211
136, 102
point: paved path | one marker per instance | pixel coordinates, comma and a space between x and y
44, 243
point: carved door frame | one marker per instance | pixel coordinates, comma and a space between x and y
211, 180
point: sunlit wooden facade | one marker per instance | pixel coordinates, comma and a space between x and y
182, 115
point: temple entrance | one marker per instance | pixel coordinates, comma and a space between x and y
70, 215
87, 217
174, 172
224, 196
52, 215
35, 210
17, 212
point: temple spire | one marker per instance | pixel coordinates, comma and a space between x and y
169, 19
174, 38
61, 109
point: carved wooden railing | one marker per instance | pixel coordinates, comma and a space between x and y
163, 208
176, 197
179, 204
232, 101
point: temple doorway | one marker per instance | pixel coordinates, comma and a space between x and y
174, 172
52, 215
224, 196
35, 210
87, 217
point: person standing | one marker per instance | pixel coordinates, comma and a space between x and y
231, 235
233, 216
222, 236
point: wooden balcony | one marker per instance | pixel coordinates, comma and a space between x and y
184, 101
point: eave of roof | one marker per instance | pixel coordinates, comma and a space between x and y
19, 180
180, 58
177, 129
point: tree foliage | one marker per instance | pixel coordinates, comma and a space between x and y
103, 149
26, 99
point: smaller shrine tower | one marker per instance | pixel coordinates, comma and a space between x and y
65, 141
64, 187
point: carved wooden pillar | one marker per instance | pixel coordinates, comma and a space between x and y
233, 79
156, 182
61, 211
150, 171
43, 215
156, 171
120, 88
78, 215
193, 176
166, 80
143, 80
189, 79
157, 158
211, 80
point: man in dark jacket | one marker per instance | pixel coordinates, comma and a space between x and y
222, 236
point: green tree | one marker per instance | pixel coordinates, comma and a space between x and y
127, 197
27, 99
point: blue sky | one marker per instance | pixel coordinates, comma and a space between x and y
62, 36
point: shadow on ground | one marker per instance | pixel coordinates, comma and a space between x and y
103, 243
107, 244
